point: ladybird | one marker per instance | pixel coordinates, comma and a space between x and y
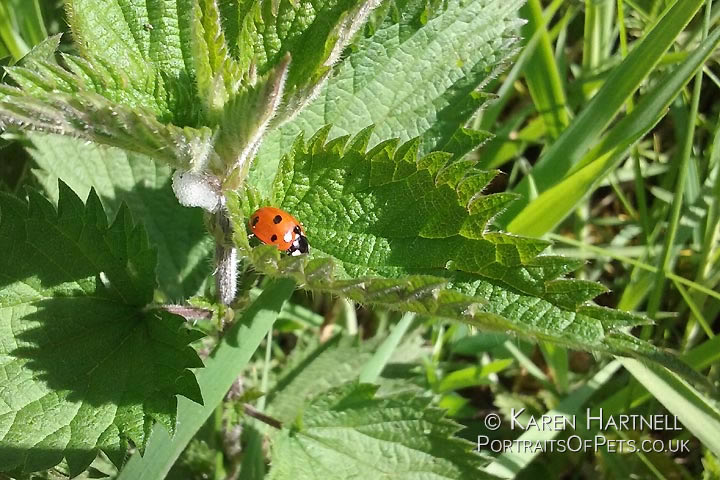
277, 227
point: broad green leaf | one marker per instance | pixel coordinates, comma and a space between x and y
320, 368
348, 432
86, 365
94, 118
554, 204
162, 78
417, 76
142, 50
178, 233
313, 33
623, 81
390, 228
222, 368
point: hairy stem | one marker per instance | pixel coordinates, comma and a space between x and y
225, 258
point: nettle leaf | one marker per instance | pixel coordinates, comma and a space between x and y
418, 74
179, 235
190, 83
248, 114
94, 118
313, 32
397, 434
218, 74
392, 228
85, 364
317, 368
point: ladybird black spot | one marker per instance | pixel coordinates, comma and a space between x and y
255, 221
297, 230
273, 238
277, 219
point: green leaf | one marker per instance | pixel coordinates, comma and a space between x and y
454, 52
319, 368
222, 368
143, 50
178, 233
43, 51
347, 432
218, 74
94, 118
472, 376
163, 79
313, 34
86, 364
247, 116
389, 228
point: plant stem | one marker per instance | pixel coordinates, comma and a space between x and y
225, 258
186, 311
258, 415
710, 237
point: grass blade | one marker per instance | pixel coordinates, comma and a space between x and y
624, 80
10, 38
488, 118
679, 197
30, 18
633, 395
692, 408
374, 367
541, 73
511, 462
556, 203
640, 265
597, 40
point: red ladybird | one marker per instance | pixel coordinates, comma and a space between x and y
277, 227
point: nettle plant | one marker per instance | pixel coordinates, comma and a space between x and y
352, 115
